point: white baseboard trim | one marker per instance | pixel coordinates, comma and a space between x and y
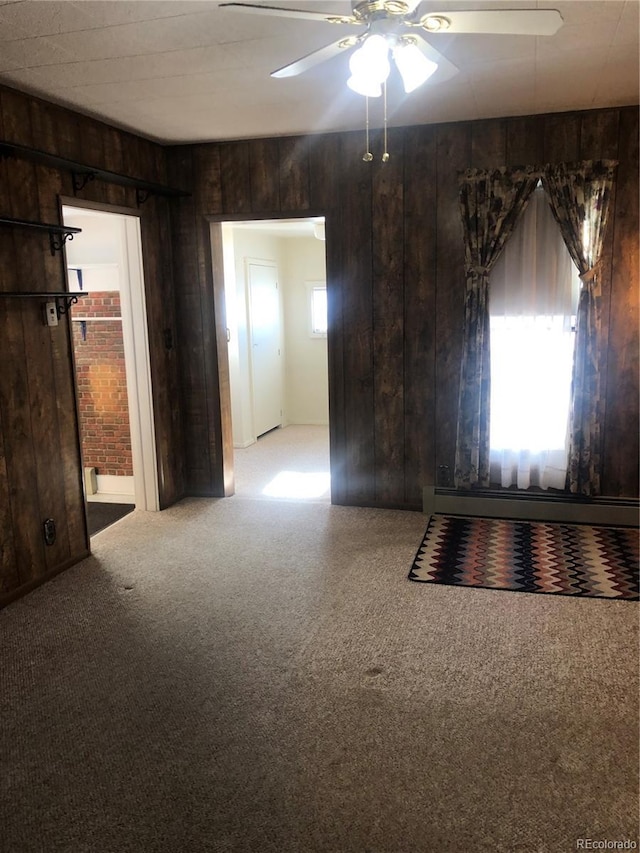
532, 506
110, 499
113, 489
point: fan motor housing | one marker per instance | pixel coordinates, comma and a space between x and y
370, 9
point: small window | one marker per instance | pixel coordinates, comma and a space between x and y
317, 309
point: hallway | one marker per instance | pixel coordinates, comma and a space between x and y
289, 463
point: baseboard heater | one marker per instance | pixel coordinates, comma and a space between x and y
532, 506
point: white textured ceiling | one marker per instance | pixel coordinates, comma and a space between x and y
187, 70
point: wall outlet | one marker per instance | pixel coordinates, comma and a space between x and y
51, 313
49, 531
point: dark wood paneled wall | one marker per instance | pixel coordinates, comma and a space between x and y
395, 283
40, 465
395, 279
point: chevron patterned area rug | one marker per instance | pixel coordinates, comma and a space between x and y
530, 556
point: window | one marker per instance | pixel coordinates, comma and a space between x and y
317, 308
533, 299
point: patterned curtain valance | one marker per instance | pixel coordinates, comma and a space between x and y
513, 173
596, 168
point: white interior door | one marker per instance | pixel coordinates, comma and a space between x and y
265, 345
138, 368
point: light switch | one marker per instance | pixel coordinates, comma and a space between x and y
51, 312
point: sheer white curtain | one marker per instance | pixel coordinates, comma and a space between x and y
533, 298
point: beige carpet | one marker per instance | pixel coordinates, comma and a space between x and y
253, 675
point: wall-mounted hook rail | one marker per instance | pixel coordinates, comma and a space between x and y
81, 173
63, 298
58, 234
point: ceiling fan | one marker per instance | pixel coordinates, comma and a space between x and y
397, 28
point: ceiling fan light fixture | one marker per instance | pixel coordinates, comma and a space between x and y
414, 67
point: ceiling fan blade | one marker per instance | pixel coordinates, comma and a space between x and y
279, 12
446, 69
315, 58
527, 22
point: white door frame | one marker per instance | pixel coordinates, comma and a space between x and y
136, 352
138, 368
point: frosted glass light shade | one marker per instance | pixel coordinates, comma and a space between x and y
414, 67
364, 86
369, 67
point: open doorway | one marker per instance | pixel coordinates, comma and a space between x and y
111, 355
275, 296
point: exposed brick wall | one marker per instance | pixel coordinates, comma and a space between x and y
99, 304
102, 385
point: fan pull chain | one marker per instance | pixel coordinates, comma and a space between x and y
368, 156
385, 155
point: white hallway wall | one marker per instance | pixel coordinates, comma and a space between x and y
306, 369
304, 359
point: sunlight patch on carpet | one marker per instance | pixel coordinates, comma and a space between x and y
298, 485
